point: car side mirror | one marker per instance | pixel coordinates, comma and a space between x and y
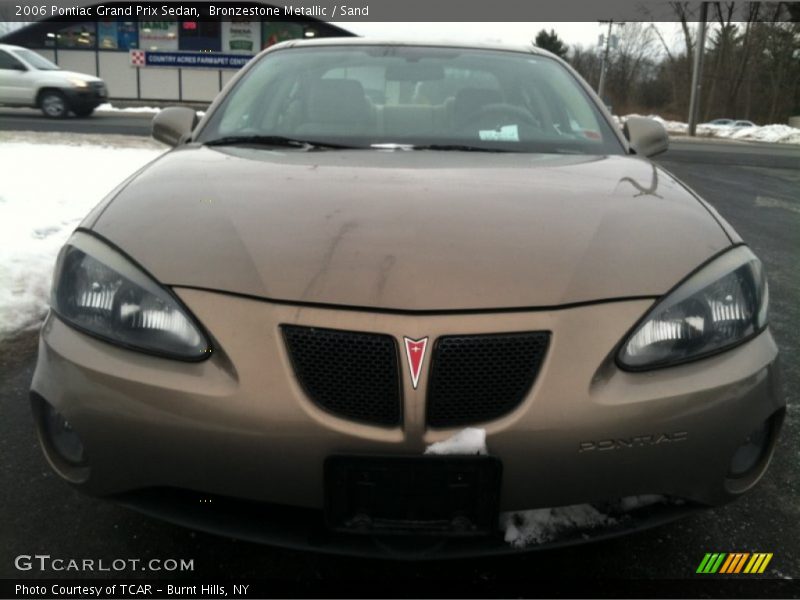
172, 124
19, 67
647, 137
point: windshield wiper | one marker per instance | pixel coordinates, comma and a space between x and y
459, 148
273, 140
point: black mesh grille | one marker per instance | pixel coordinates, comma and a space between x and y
477, 378
350, 374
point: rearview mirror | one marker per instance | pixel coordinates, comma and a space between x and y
172, 124
647, 137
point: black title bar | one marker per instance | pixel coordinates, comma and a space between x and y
357, 10
693, 587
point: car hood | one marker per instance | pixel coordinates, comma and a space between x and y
411, 230
60, 76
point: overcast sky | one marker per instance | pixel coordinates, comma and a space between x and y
585, 34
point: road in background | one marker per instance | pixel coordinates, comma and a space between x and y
754, 186
703, 150
112, 122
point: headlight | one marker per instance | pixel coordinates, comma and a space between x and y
80, 83
100, 291
721, 305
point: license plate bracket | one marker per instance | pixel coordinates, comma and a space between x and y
454, 496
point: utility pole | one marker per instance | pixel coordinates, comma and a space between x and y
604, 64
697, 70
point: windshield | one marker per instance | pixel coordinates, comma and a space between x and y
442, 98
36, 61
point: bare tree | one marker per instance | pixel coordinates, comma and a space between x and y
752, 64
752, 16
685, 16
633, 61
720, 39
586, 62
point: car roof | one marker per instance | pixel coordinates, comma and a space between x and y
437, 43
10, 47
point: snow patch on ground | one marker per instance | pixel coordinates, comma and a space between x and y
542, 525
778, 134
107, 107
466, 441
524, 528
49, 183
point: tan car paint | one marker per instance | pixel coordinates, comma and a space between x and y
240, 425
412, 230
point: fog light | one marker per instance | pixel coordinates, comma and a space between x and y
750, 452
62, 437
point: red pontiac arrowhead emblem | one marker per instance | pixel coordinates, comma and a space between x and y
415, 352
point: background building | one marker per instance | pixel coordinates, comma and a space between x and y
181, 60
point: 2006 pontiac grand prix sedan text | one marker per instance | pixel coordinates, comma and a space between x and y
364, 248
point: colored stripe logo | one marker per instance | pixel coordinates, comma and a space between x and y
734, 563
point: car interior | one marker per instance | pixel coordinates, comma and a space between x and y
414, 101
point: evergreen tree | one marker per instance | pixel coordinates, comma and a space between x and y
551, 42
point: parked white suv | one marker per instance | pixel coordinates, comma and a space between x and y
28, 79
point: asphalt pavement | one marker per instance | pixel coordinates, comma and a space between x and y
755, 187
111, 122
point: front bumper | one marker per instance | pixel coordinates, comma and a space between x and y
238, 425
88, 97
304, 529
